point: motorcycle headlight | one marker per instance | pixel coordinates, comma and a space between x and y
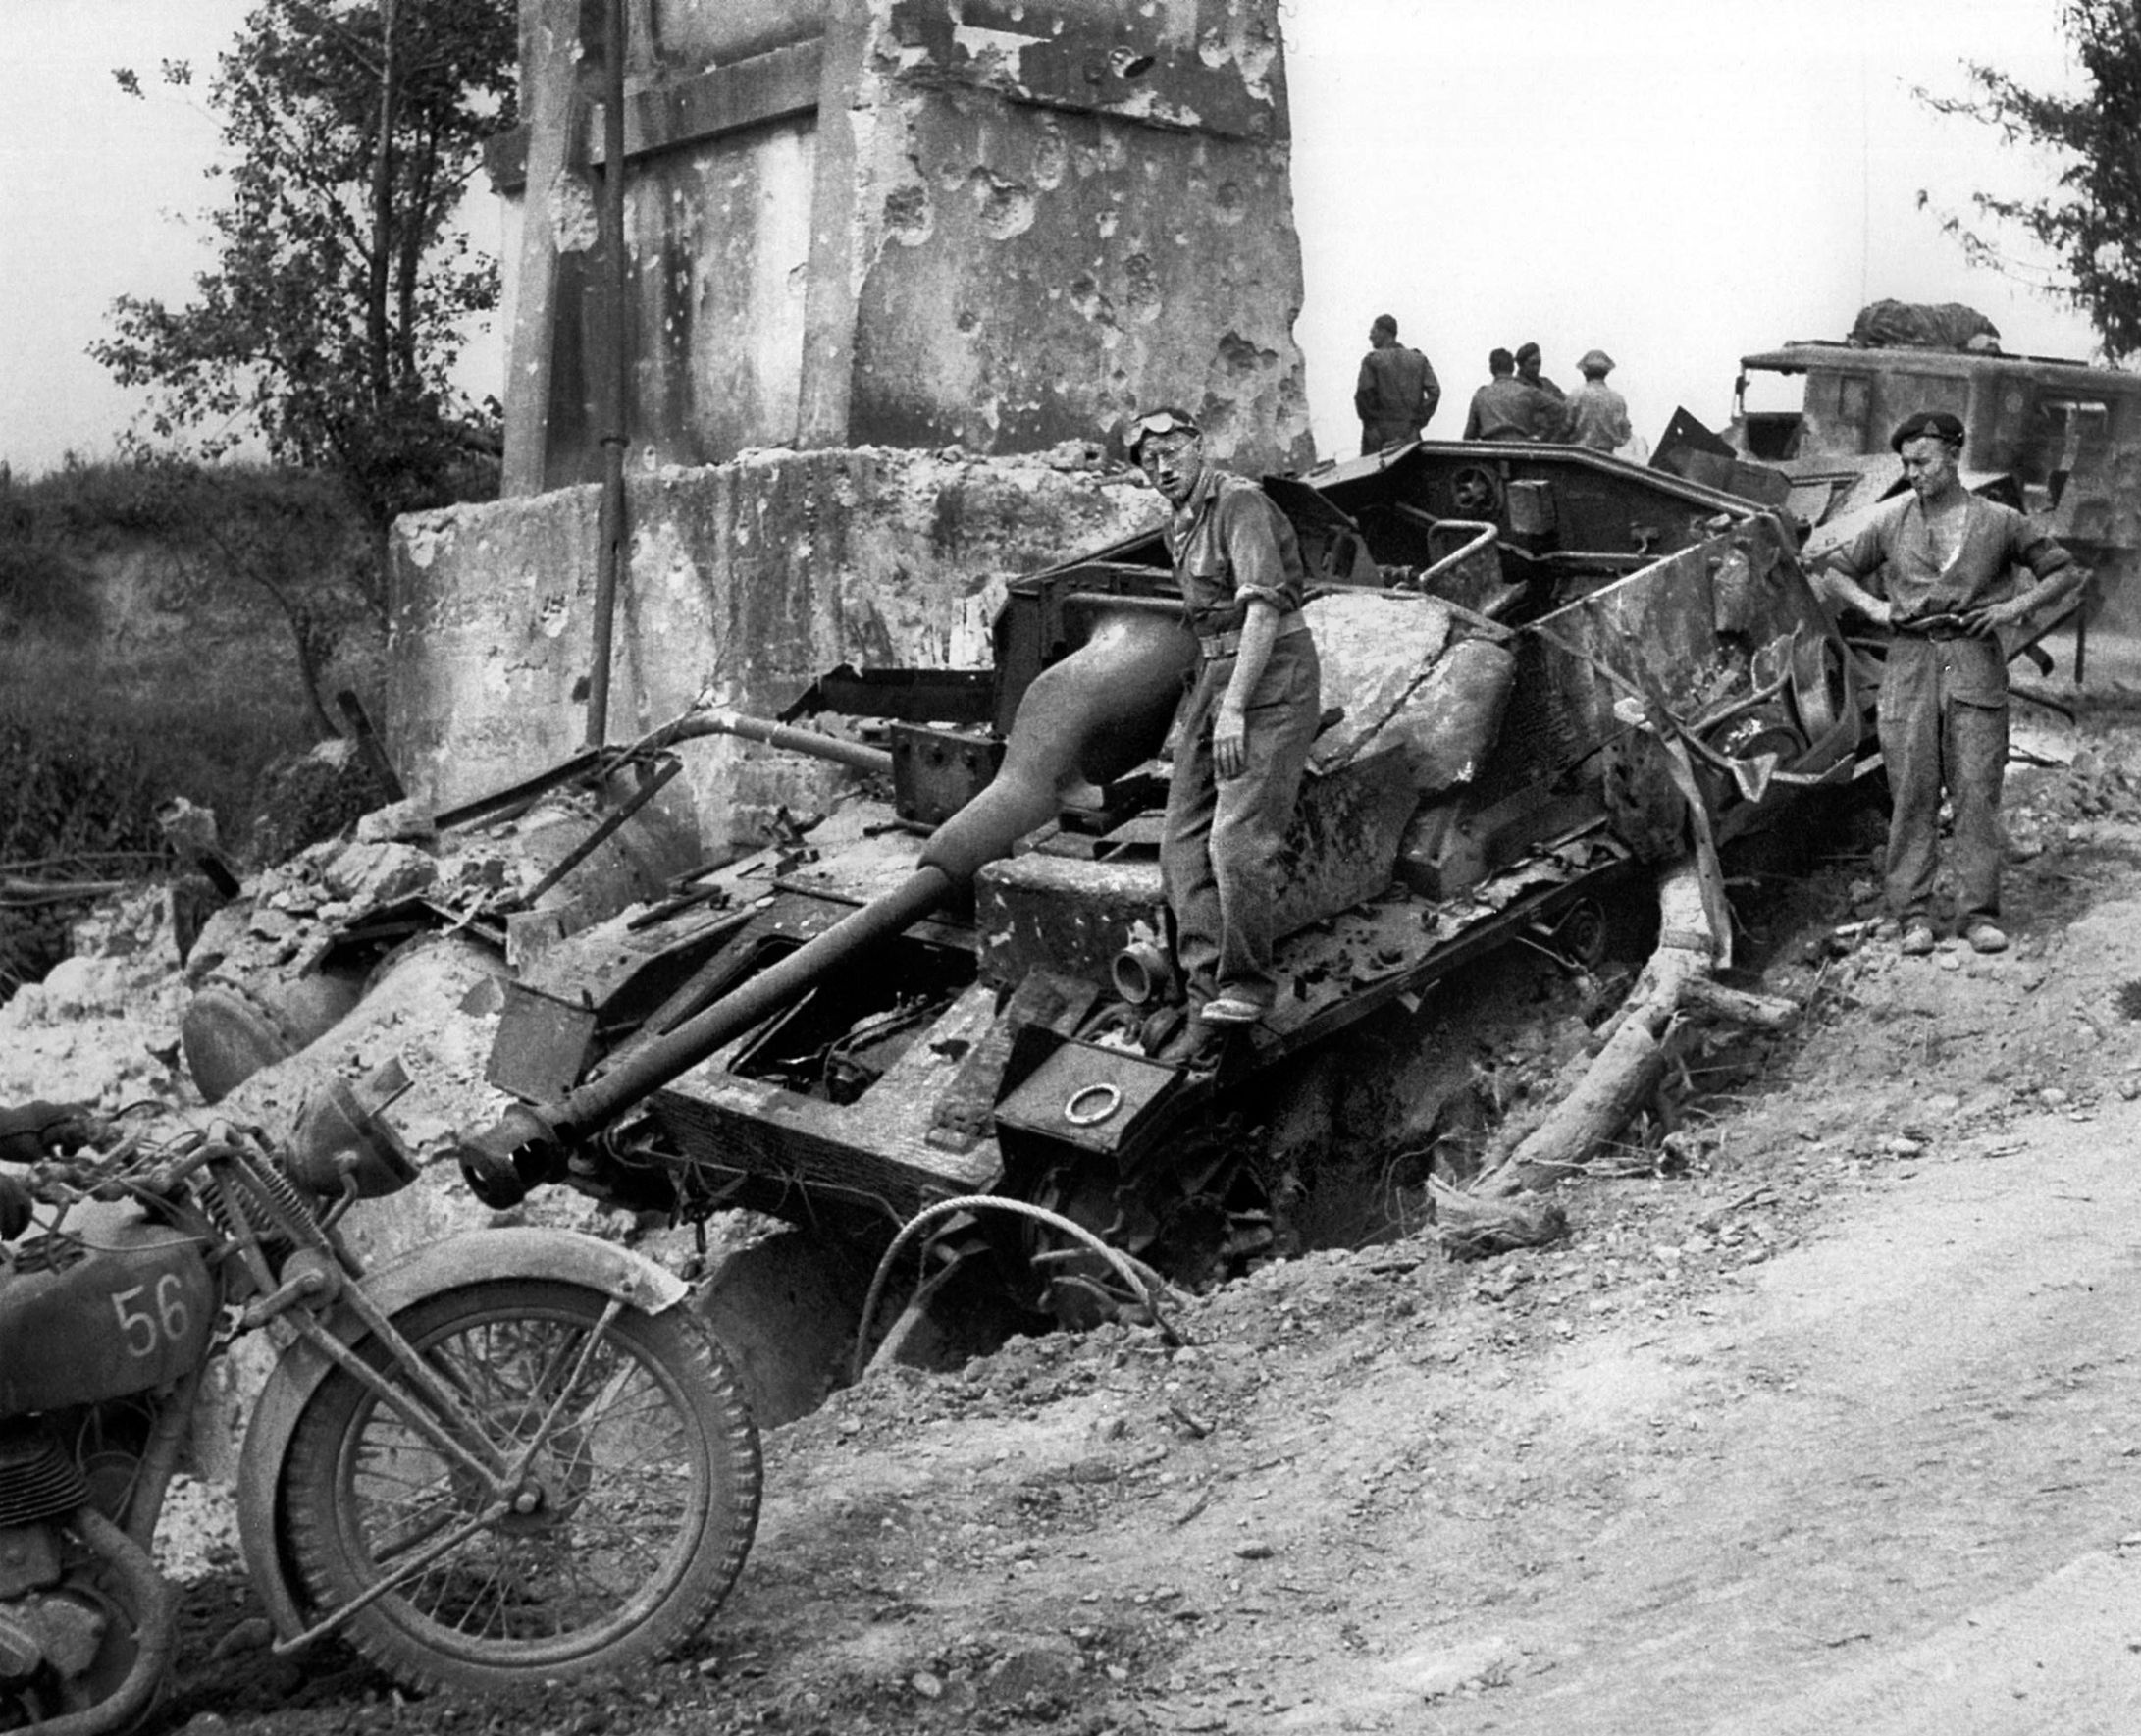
338, 1140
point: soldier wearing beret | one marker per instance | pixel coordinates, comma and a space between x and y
1244, 728
1932, 566
1529, 359
1505, 408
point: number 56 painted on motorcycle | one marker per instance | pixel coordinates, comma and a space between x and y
514, 1457
127, 1314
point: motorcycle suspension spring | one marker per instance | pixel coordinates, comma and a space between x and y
254, 1205
295, 1212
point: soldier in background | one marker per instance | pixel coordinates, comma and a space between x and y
1505, 408
1551, 411
1598, 415
1397, 390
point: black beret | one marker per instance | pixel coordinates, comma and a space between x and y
1938, 423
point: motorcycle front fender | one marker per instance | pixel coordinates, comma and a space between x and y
477, 1257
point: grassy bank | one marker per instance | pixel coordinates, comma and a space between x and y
164, 631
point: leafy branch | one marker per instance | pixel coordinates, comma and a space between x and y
331, 317
2089, 221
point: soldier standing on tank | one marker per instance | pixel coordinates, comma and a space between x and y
1598, 415
1396, 393
1553, 398
1245, 724
1505, 408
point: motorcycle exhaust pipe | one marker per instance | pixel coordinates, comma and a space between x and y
1144, 974
155, 1608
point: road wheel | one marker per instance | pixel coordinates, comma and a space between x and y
636, 1512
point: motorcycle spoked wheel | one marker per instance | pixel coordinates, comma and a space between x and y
648, 1487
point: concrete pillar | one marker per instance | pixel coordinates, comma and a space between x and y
913, 223
828, 315
557, 225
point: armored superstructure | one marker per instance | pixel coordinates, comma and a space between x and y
1545, 668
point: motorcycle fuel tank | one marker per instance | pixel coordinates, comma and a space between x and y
123, 1307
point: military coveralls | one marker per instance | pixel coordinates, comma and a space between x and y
1943, 694
1505, 408
1597, 418
1539, 381
1394, 397
1219, 849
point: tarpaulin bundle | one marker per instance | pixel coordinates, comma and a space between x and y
1920, 325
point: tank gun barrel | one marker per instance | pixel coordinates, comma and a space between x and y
1086, 719
527, 1144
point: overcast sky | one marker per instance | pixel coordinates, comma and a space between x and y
1678, 182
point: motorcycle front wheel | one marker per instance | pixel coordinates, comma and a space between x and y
631, 1524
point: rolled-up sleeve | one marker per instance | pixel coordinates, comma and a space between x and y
1865, 554
1250, 529
2036, 551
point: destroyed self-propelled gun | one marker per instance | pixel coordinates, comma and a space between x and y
1545, 669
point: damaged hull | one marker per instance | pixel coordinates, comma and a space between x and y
1553, 669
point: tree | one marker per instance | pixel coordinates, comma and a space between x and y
333, 314
2090, 223
287, 541
289, 538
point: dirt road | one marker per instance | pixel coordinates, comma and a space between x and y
1843, 1435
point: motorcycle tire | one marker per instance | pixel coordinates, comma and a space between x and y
648, 1492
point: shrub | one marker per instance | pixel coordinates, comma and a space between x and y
43, 580
80, 806
247, 603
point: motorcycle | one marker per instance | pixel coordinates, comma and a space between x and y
512, 1457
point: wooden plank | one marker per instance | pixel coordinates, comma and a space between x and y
779, 85
746, 93
531, 348
825, 391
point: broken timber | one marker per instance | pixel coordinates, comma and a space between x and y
1674, 990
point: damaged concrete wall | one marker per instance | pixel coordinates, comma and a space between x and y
907, 222
748, 579
1055, 229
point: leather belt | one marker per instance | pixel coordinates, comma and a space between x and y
1935, 627
1211, 646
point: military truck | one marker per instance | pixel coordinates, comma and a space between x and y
2055, 438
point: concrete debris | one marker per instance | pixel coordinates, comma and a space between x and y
375, 873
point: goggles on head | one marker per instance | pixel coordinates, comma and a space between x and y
1158, 423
